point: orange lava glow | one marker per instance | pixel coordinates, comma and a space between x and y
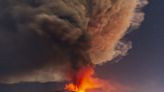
85, 80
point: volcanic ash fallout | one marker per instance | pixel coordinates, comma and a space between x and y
52, 40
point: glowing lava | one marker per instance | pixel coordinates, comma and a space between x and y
85, 80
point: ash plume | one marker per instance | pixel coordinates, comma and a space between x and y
44, 40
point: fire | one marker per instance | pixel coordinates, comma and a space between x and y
86, 80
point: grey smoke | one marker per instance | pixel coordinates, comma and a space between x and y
43, 40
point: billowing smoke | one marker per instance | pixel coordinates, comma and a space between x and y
44, 40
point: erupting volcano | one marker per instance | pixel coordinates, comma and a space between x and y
85, 80
48, 39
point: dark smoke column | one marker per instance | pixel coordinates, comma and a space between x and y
46, 39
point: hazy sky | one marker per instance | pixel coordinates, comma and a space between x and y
143, 68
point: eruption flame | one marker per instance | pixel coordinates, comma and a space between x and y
86, 80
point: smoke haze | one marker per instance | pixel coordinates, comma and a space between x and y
43, 40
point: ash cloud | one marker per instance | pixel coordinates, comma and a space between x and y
44, 40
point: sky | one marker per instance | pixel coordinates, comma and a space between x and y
142, 69
143, 66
